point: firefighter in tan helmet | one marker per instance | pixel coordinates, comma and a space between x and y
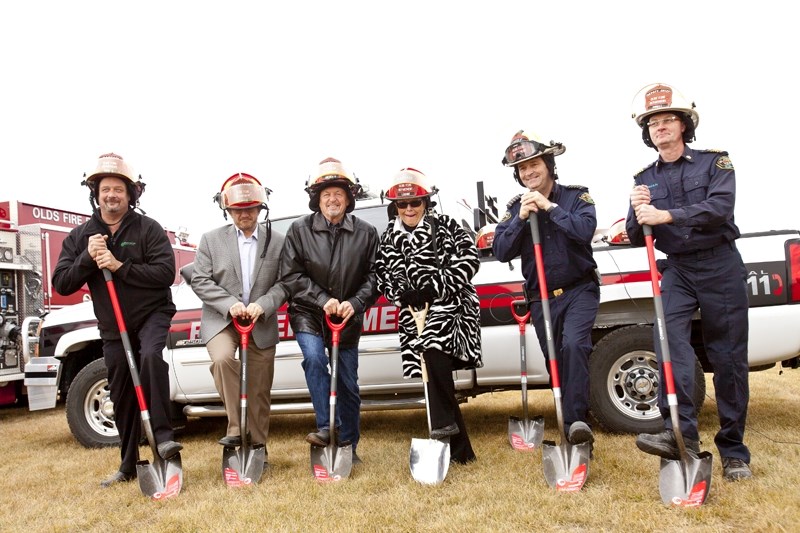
136, 250
687, 197
328, 266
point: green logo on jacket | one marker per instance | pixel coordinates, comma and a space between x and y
127, 243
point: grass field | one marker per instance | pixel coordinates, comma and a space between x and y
51, 482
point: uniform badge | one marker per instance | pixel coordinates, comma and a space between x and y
586, 198
724, 163
506, 216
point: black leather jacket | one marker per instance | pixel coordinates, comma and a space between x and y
319, 263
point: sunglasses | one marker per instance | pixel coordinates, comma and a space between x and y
403, 204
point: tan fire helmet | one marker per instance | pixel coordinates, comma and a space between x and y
661, 98
111, 164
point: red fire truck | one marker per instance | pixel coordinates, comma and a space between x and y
31, 237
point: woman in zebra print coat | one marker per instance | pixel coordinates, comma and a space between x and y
424, 257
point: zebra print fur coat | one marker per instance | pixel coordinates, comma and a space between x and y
406, 261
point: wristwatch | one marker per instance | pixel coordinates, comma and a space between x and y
553, 205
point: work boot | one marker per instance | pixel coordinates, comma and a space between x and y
446, 431
735, 469
320, 438
117, 477
580, 432
664, 445
169, 448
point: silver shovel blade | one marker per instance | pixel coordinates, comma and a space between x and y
162, 479
429, 460
525, 435
566, 466
331, 463
242, 466
685, 483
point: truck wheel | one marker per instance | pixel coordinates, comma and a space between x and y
624, 382
90, 412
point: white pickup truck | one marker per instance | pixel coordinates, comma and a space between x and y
624, 374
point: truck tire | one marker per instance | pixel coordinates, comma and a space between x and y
624, 382
90, 412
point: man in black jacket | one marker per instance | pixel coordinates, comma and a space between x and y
138, 253
328, 267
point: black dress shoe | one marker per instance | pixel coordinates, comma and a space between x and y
117, 477
231, 442
169, 449
320, 438
446, 431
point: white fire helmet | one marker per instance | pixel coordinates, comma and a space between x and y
242, 191
410, 183
661, 98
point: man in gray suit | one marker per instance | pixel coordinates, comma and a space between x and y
236, 275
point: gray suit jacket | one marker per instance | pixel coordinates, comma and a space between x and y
217, 281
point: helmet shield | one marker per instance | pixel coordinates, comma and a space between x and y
243, 196
523, 148
661, 98
410, 183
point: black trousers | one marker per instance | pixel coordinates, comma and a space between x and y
147, 344
444, 405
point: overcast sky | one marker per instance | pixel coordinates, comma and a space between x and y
192, 92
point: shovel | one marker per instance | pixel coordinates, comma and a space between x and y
164, 478
683, 483
566, 466
332, 462
245, 465
429, 458
524, 435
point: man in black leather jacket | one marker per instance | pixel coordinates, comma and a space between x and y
328, 267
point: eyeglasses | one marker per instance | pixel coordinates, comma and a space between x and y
665, 121
403, 204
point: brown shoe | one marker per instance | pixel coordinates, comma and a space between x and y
320, 438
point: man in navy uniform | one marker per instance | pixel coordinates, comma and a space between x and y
688, 196
567, 221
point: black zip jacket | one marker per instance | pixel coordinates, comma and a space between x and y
319, 264
142, 282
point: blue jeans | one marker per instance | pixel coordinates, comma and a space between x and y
318, 379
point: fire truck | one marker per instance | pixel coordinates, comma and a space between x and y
31, 237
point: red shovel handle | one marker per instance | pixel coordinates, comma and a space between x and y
336, 328
521, 319
243, 327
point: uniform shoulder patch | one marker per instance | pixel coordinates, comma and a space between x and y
586, 198
514, 200
578, 187
643, 169
724, 163
507, 216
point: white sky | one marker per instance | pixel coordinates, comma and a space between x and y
192, 92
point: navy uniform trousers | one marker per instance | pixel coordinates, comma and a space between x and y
714, 280
572, 315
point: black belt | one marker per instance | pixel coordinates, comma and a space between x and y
722, 249
590, 277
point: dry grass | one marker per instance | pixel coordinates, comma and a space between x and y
51, 482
